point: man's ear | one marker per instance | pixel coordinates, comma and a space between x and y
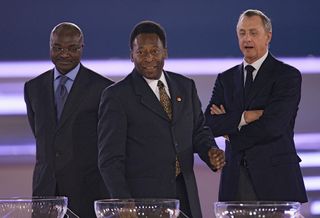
165, 53
131, 56
269, 38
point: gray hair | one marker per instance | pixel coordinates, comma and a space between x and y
253, 12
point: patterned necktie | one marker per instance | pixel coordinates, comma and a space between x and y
249, 80
165, 100
167, 106
61, 95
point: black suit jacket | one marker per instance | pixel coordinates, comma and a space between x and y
138, 144
66, 153
267, 143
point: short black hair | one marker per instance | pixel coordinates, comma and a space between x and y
148, 26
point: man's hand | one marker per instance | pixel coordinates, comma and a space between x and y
217, 158
253, 115
214, 109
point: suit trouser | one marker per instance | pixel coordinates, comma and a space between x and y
246, 190
182, 195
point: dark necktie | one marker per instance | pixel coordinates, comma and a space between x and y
61, 95
167, 107
249, 80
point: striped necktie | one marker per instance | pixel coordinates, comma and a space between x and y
61, 95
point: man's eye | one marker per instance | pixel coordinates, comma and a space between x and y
73, 49
156, 51
57, 49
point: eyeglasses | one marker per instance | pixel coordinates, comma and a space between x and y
73, 49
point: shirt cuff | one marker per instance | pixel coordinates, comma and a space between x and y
242, 121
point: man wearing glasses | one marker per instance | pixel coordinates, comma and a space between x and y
62, 107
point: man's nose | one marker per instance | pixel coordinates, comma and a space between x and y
149, 56
247, 37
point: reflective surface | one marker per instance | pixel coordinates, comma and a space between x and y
36, 207
137, 208
261, 209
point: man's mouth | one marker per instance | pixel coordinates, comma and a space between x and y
150, 67
248, 47
64, 62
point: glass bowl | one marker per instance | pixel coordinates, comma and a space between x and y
35, 207
137, 208
261, 209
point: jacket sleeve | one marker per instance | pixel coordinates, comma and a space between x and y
222, 124
112, 127
202, 137
30, 112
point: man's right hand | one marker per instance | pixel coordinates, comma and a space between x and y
253, 115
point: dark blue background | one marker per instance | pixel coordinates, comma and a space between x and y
195, 28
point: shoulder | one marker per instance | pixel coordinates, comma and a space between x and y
229, 73
43, 77
233, 69
178, 77
120, 87
96, 76
283, 68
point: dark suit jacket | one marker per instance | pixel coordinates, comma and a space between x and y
138, 144
267, 143
66, 154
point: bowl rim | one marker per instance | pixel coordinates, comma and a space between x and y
257, 203
136, 200
33, 199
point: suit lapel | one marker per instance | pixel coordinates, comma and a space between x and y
177, 97
148, 98
76, 95
238, 93
48, 98
264, 75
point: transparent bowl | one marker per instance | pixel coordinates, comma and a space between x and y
35, 207
137, 208
261, 209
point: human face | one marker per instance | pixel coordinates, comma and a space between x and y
148, 55
66, 50
253, 38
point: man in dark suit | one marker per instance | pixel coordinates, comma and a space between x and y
254, 106
63, 116
150, 125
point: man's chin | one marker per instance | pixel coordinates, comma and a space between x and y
151, 74
64, 69
250, 58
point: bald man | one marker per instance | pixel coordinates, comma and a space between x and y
62, 108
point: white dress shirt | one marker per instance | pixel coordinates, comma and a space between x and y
153, 83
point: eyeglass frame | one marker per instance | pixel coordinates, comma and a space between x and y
72, 49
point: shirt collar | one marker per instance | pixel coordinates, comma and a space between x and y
257, 64
71, 74
155, 81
